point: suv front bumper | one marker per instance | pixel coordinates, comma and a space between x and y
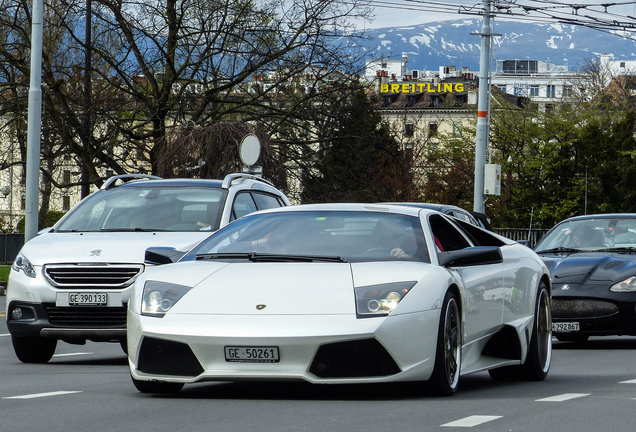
67, 323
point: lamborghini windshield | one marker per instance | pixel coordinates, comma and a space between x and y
320, 235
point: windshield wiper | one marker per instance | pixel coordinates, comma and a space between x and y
261, 257
628, 249
560, 250
138, 229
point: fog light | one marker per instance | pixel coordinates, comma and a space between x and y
16, 313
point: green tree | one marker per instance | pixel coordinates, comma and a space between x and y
358, 159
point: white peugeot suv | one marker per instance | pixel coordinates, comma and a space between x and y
72, 282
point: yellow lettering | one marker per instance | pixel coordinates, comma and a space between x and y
459, 87
421, 87
395, 88
384, 88
438, 88
429, 88
405, 88
448, 87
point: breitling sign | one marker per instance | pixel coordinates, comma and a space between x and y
422, 88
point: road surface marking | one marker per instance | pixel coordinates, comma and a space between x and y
472, 421
628, 382
73, 354
39, 395
563, 397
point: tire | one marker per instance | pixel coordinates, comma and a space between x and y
448, 354
34, 349
124, 346
156, 387
572, 337
539, 355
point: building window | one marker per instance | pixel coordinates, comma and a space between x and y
66, 176
622, 64
551, 91
534, 90
414, 74
432, 129
23, 202
457, 129
66, 202
567, 91
409, 129
502, 87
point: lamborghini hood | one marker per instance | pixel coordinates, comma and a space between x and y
263, 289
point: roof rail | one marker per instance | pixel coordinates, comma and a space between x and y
110, 183
227, 181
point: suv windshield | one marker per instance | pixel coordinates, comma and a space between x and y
148, 208
336, 235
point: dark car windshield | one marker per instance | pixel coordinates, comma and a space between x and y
326, 235
148, 208
590, 235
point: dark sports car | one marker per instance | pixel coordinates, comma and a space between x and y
592, 262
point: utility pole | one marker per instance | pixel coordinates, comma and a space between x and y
34, 128
481, 138
86, 157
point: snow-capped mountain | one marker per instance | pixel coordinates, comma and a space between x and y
449, 43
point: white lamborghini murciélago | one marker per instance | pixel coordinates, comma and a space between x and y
341, 293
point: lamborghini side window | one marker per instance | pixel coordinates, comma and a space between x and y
479, 237
447, 237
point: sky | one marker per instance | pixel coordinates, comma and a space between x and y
399, 13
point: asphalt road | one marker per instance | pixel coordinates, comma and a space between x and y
591, 387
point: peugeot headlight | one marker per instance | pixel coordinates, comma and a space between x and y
159, 297
628, 285
22, 263
380, 300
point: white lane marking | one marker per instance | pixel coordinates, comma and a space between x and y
563, 397
628, 382
39, 395
73, 354
472, 421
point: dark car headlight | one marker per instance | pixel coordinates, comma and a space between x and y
22, 263
160, 297
380, 300
627, 285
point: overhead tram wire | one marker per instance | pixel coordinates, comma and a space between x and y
552, 12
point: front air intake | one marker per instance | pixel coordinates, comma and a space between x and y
163, 357
353, 359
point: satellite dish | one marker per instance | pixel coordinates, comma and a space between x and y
250, 149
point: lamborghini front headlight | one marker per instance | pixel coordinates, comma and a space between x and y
380, 300
160, 297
